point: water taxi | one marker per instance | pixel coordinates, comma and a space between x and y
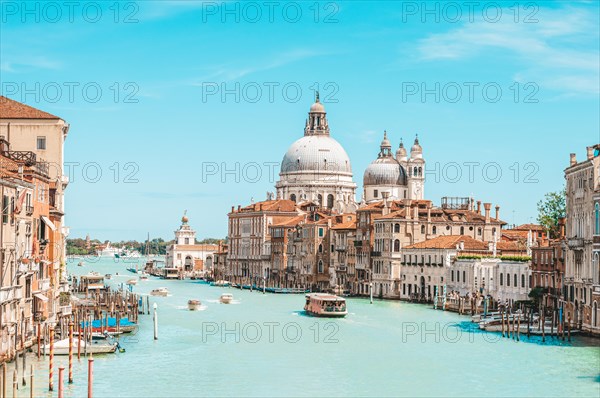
131, 282
325, 305
194, 305
61, 347
226, 298
161, 291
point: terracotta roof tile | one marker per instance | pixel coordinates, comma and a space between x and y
11, 109
450, 242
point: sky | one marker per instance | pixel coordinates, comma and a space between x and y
190, 106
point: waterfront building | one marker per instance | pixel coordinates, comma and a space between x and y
344, 258
249, 239
426, 266
316, 168
582, 274
33, 288
548, 268
188, 256
221, 270
415, 221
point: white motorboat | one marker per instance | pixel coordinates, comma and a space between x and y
161, 291
61, 347
226, 298
194, 305
131, 282
325, 305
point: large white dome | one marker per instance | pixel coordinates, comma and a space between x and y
384, 171
316, 153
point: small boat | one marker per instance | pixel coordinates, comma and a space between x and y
220, 283
107, 276
194, 305
226, 298
80, 264
61, 347
325, 305
131, 282
143, 276
161, 291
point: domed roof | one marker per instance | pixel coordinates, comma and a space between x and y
316, 153
317, 107
416, 148
401, 151
384, 171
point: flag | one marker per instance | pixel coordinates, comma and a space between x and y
19, 204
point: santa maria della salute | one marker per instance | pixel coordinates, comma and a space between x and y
317, 169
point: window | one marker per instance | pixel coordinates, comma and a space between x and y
396, 227
330, 201
320, 232
422, 229
462, 230
375, 193
501, 279
320, 248
397, 245
434, 230
458, 276
516, 284
293, 197
5, 209
464, 276
41, 143
479, 231
597, 215
320, 267
12, 210
320, 199
507, 279
187, 241
522, 280
452, 276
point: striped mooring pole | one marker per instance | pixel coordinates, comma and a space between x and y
51, 362
70, 352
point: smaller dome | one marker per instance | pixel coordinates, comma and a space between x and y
317, 107
416, 147
385, 143
384, 171
401, 152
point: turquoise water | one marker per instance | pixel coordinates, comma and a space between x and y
383, 349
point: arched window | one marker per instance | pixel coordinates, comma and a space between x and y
320, 199
397, 245
452, 276
501, 279
330, 201
415, 171
420, 171
434, 230
515, 280
422, 229
464, 276
462, 230
597, 218
507, 279
396, 227
293, 197
479, 231
320, 248
320, 267
523, 280
494, 231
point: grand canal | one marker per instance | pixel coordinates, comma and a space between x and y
262, 345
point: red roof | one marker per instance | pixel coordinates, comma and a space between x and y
11, 109
450, 242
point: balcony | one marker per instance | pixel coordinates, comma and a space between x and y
375, 254
65, 310
358, 243
29, 210
44, 285
340, 248
341, 268
575, 243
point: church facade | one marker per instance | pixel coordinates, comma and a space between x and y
188, 256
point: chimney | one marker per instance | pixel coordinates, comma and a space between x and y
590, 152
478, 207
471, 204
561, 227
573, 159
487, 207
232, 209
239, 207
497, 212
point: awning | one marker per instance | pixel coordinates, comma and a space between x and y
49, 223
40, 296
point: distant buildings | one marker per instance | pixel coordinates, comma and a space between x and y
33, 289
582, 268
188, 256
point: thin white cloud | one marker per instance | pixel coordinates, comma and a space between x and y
18, 64
561, 50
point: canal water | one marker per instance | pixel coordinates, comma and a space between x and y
263, 345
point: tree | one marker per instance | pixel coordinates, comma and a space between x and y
550, 209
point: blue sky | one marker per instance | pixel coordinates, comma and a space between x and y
371, 62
